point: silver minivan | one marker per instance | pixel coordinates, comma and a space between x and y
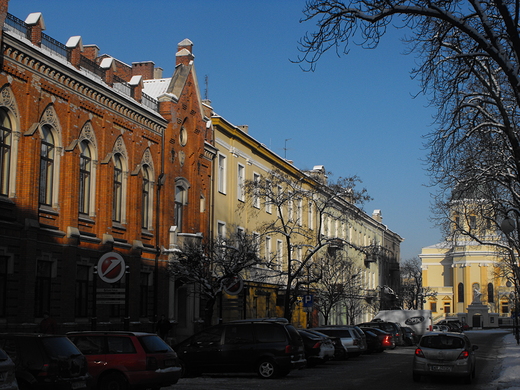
352, 343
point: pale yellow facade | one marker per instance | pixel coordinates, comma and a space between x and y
240, 157
462, 274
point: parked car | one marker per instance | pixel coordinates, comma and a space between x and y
46, 361
453, 325
350, 340
409, 336
444, 354
441, 328
7, 372
340, 353
373, 342
390, 327
318, 349
387, 339
270, 347
120, 360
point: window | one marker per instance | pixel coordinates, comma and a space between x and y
290, 208
146, 201
279, 253
144, 289
491, 293
5, 152
311, 215
240, 182
117, 201
472, 222
433, 307
82, 291
268, 249
460, 292
181, 200
256, 198
85, 177
299, 211
269, 197
4, 263
222, 173
221, 230
42, 296
256, 242
47, 155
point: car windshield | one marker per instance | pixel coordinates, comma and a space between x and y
442, 342
343, 333
154, 344
60, 346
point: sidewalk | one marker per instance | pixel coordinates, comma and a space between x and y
509, 376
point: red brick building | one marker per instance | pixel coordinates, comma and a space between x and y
90, 163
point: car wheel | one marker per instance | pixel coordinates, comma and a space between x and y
267, 369
416, 377
113, 381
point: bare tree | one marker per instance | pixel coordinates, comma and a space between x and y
412, 290
470, 51
283, 193
213, 263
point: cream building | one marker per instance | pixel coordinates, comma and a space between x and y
240, 158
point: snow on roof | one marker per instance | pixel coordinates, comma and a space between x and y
156, 87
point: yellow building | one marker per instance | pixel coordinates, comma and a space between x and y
241, 158
466, 277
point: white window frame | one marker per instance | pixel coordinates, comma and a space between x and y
256, 198
222, 173
241, 176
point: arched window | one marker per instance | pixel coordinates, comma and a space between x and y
6, 133
117, 200
461, 292
85, 177
47, 156
146, 199
491, 293
181, 199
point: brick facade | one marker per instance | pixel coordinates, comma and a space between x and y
94, 112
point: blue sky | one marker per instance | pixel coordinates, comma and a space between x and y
355, 114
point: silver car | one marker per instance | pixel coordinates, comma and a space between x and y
444, 354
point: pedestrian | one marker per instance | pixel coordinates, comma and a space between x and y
162, 327
47, 324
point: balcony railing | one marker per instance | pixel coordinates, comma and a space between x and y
17, 25
150, 102
91, 66
54, 46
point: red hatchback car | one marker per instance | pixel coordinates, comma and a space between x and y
127, 360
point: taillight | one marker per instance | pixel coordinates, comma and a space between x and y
419, 352
463, 355
288, 349
151, 364
48, 369
317, 345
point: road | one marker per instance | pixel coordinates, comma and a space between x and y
390, 370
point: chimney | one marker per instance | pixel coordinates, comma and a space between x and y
91, 52
36, 27
145, 69
184, 54
157, 73
75, 46
377, 215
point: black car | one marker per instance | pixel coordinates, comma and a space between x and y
270, 347
390, 327
46, 361
409, 336
373, 341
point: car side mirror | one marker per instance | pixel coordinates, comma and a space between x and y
474, 347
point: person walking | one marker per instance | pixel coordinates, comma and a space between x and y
162, 327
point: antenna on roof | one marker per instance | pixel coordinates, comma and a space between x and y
206, 90
285, 148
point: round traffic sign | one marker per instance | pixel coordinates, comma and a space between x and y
111, 267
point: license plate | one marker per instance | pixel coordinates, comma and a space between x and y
440, 368
78, 385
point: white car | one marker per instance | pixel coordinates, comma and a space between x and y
444, 354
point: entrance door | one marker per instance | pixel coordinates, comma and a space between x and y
477, 321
